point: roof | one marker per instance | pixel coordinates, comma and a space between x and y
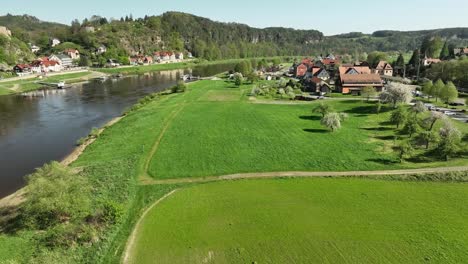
316, 80
23, 66
63, 57
361, 79
71, 51
360, 69
329, 61
383, 65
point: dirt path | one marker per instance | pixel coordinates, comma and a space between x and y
145, 175
304, 174
131, 239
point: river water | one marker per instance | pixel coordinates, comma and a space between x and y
45, 125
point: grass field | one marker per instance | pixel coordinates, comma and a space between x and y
308, 221
234, 135
213, 128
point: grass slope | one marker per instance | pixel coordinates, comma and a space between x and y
308, 221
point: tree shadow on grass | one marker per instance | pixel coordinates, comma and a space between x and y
367, 109
10, 220
314, 130
314, 118
382, 128
388, 137
385, 161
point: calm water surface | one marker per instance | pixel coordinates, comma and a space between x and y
45, 125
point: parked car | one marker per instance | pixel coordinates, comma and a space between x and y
456, 104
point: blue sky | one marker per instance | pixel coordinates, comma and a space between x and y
328, 16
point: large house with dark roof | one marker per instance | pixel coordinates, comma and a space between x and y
354, 78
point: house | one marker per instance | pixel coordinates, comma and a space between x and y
321, 74
89, 29
384, 68
22, 68
179, 55
354, 83
54, 42
317, 85
74, 54
301, 70
330, 57
45, 65
460, 52
354, 70
148, 60
329, 63
5, 31
189, 55
34, 48
429, 61
112, 63
62, 59
101, 50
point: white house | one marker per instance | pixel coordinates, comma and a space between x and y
45, 65
102, 49
74, 54
62, 59
179, 55
34, 48
54, 42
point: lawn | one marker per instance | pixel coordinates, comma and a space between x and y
308, 221
218, 131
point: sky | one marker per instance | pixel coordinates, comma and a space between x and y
328, 16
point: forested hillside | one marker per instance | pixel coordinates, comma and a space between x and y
205, 38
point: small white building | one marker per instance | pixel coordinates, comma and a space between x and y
54, 42
62, 59
179, 55
72, 53
34, 48
101, 50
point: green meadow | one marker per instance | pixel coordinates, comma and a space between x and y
215, 128
218, 131
307, 221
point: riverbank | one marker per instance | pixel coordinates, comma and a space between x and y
127, 70
31, 83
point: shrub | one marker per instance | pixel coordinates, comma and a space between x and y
55, 195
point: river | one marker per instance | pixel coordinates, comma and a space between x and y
45, 125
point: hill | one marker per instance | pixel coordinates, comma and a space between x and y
208, 39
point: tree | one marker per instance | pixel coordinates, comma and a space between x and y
400, 62
181, 86
437, 88
427, 136
418, 108
431, 120
252, 77
405, 150
323, 109
412, 126
450, 138
84, 61
244, 67
368, 92
374, 57
378, 107
238, 79
276, 62
398, 115
415, 58
396, 93
332, 121
445, 53
449, 93
56, 195
427, 88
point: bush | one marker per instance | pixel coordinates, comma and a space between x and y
55, 195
